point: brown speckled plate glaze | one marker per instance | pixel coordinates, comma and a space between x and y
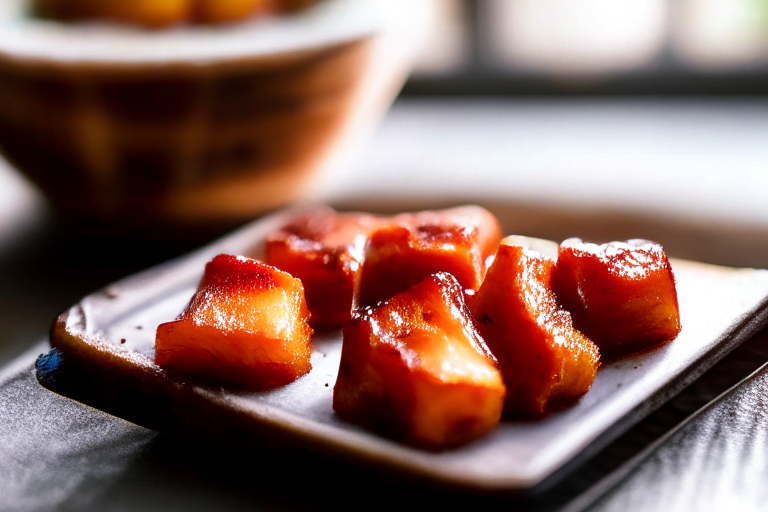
106, 341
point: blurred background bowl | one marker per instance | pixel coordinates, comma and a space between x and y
197, 126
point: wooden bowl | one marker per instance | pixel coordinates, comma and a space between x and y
196, 125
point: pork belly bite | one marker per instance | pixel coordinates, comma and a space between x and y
323, 249
546, 363
622, 294
414, 367
415, 246
246, 326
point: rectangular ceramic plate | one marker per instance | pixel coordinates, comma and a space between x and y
720, 308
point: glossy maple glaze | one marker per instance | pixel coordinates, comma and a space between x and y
323, 249
246, 325
162, 13
621, 294
546, 363
417, 245
416, 368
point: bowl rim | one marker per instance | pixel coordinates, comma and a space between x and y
26, 40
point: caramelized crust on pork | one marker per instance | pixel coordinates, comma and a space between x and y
245, 326
417, 245
323, 249
622, 294
416, 368
546, 363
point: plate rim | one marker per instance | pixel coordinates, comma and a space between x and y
72, 328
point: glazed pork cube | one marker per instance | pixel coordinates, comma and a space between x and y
546, 363
621, 294
323, 249
246, 326
415, 246
414, 367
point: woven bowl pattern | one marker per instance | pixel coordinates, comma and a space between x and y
183, 143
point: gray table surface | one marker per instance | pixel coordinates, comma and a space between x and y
56, 454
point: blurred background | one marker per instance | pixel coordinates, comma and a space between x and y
539, 47
651, 109
606, 119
